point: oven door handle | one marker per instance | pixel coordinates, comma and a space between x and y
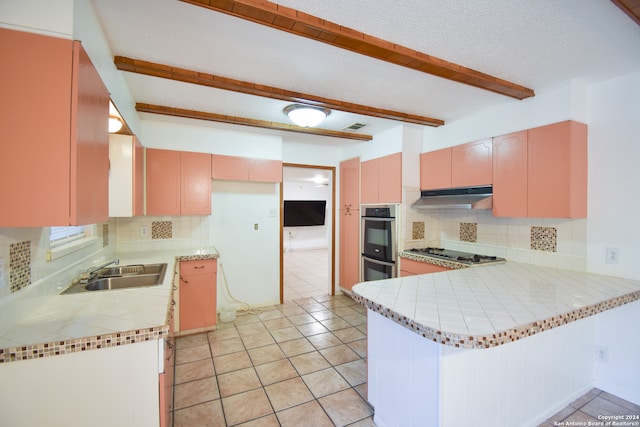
376, 218
377, 261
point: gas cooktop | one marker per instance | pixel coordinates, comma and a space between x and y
461, 257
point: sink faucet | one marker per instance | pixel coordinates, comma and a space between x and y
89, 273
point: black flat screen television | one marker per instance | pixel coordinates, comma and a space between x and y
304, 213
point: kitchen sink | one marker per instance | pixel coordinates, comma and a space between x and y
121, 277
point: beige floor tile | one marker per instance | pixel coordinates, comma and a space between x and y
345, 407
348, 335
327, 381
257, 340
356, 319
286, 394
286, 334
345, 312
246, 406
335, 324
191, 340
274, 313
251, 329
324, 315
220, 348
279, 323
268, 421
367, 422
231, 362
208, 414
309, 362
313, 307
312, 329
292, 310
338, 355
301, 319
359, 347
274, 372
191, 354
194, 371
195, 392
223, 334
266, 354
633, 408
238, 382
362, 390
585, 398
324, 340
246, 319
354, 372
295, 347
307, 414
600, 406
579, 418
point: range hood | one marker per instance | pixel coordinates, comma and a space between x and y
456, 198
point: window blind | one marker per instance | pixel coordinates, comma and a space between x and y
62, 235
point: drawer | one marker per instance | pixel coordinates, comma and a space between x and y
207, 266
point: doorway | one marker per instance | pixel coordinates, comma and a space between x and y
307, 252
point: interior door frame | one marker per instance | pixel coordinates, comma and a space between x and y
332, 243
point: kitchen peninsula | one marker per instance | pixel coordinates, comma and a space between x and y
501, 345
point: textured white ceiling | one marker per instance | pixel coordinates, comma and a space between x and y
537, 43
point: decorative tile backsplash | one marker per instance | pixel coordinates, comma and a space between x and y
544, 239
417, 230
19, 265
161, 229
105, 235
468, 232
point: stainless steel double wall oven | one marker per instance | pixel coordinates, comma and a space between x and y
379, 242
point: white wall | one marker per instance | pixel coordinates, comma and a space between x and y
614, 176
250, 258
51, 17
200, 136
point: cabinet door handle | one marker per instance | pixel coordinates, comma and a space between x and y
199, 268
186, 282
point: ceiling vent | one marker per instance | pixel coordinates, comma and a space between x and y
354, 127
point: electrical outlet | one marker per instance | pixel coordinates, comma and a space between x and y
612, 256
602, 353
144, 231
272, 212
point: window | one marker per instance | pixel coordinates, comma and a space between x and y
62, 235
66, 240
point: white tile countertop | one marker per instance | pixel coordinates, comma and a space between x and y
493, 305
82, 321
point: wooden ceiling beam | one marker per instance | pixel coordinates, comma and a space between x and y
302, 24
201, 115
219, 82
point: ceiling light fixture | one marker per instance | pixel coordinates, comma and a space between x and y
306, 116
115, 124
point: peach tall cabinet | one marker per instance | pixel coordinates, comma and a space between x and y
55, 111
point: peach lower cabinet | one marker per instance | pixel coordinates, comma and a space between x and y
502, 345
197, 296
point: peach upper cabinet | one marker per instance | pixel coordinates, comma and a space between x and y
465, 165
178, 183
381, 180
245, 169
349, 223
542, 172
54, 161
